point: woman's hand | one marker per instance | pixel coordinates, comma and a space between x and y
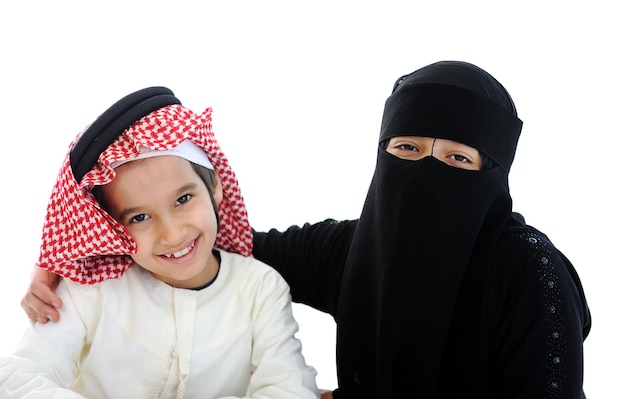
40, 302
326, 394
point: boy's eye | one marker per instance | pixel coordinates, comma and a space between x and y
183, 199
139, 218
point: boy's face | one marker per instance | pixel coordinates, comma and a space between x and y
453, 153
167, 209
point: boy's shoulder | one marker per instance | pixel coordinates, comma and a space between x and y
248, 268
238, 261
133, 278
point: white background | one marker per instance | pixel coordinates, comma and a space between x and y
298, 90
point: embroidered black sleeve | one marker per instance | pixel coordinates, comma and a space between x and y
556, 356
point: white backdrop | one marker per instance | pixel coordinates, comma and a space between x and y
298, 90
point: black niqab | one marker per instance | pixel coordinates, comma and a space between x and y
423, 224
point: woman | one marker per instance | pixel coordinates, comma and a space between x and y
440, 290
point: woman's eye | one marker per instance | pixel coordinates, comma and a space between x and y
459, 158
139, 218
407, 147
183, 199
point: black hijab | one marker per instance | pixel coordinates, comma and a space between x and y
423, 224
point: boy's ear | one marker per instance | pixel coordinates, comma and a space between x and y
218, 194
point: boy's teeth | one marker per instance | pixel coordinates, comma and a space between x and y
180, 253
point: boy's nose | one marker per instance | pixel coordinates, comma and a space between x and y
170, 231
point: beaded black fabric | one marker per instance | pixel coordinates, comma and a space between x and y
556, 360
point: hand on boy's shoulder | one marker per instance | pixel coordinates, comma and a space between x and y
325, 394
40, 303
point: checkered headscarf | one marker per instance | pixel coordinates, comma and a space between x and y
82, 242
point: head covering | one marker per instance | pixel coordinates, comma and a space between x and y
455, 101
422, 225
80, 240
187, 150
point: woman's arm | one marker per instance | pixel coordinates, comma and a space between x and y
310, 258
543, 323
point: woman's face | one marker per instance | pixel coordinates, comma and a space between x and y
453, 153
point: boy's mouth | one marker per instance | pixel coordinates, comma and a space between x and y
182, 252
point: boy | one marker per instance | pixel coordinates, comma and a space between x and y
148, 226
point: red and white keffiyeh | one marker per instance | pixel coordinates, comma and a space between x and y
80, 241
